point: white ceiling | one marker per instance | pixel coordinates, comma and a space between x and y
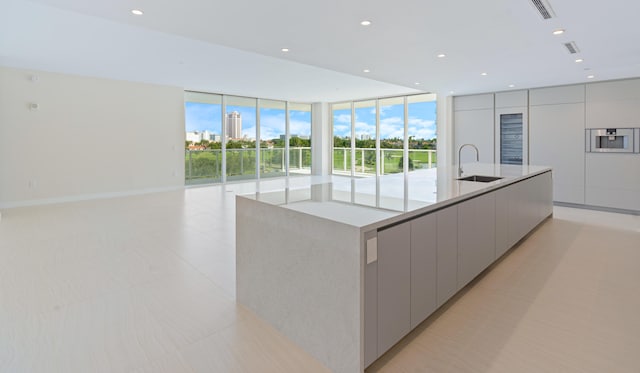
234, 46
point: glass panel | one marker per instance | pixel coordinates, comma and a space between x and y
241, 137
511, 139
365, 124
422, 131
203, 126
272, 138
341, 119
391, 135
299, 139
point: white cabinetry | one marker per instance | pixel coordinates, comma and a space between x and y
476, 236
504, 240
520, 208
423, 268
473, 118
557, 138
613, 104
613, 180
423, 262
394, 285
447, 256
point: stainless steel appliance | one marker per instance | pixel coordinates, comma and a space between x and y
611, 140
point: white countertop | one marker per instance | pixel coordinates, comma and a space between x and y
371, 203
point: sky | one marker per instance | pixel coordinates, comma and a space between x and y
422, 121
206, 117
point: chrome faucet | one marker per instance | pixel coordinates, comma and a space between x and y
460, 150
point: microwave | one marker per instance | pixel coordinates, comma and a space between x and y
612, 140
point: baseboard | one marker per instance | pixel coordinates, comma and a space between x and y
84, 197
597, 208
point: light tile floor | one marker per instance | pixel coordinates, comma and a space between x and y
146, 284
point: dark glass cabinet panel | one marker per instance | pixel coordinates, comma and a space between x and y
511, 139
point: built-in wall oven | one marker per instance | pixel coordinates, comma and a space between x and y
612, 140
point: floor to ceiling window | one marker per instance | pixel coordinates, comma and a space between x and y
421, 131
203, 153
221, 134
241, 126
341, 119
401, 129
299, 138
366, 134
273, 123
391, 135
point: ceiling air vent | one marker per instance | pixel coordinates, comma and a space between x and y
544, 8
572, 47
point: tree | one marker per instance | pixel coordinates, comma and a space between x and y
401, 163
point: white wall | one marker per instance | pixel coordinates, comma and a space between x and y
89, 138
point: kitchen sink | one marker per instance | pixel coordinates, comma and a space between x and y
480, 178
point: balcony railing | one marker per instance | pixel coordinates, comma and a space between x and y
391, 160
205, 166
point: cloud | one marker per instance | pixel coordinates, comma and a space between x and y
392, 127
422, 128
363, 128
272, 125
342, 118
300, 127
342, 130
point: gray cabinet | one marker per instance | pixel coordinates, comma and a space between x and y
423, 262
473, 118
504, 240
613, 104
476, 236
520, 208
423, 268
559, 130
447, 253
394, 285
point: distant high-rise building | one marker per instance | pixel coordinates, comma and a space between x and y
234, 125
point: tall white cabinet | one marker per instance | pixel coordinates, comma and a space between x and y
557, 138
473, 118
613, 180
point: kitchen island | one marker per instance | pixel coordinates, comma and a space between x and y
347, 268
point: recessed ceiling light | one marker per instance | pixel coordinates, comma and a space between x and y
579, 60
137, 12
558, 31
511, 85
417, 83
365, 23
484, 74
590, 76
366, 70
451, 92
442, 55
285, 49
